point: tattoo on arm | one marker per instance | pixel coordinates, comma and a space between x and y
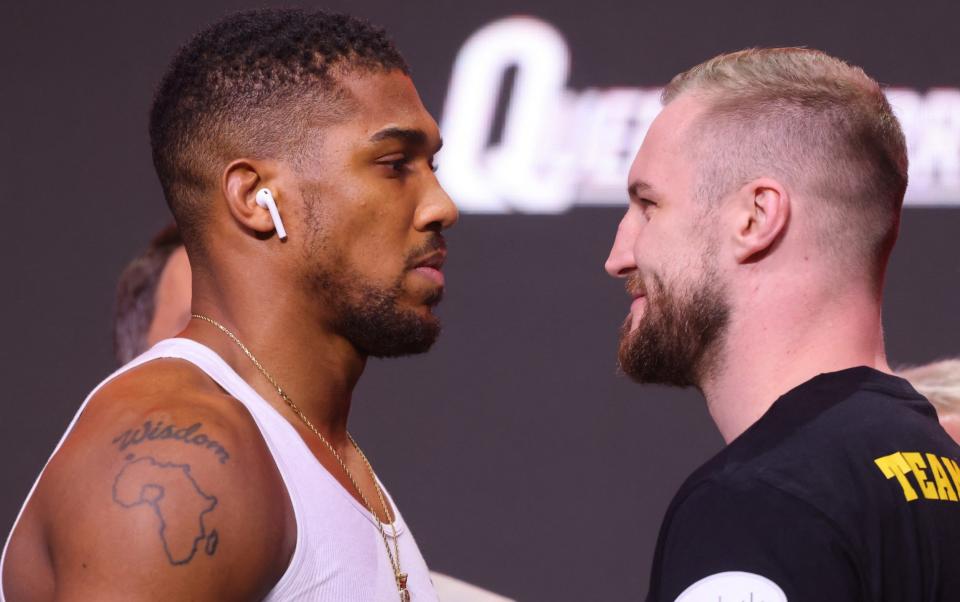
189, 435
177, 501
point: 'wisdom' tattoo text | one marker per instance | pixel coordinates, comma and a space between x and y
189, 435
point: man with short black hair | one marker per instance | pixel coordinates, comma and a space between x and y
764, 203
153, 303
218, 465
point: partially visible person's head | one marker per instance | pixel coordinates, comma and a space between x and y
153, 296
752, 145
320, 109
940, 383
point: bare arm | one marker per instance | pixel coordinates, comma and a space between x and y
178, 501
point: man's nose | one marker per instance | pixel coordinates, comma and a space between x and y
437, 211
621, 263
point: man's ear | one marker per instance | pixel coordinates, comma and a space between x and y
241, 180
762, 211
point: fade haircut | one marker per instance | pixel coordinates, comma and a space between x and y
249, 86
814, 122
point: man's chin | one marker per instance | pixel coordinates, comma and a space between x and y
627, 356
645, 362
410, 336
625, 349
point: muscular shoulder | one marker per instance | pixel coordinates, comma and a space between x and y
165, 487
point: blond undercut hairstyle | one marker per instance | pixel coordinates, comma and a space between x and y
820, 126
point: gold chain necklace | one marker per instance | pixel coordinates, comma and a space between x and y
394, 555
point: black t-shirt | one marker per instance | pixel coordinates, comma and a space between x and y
846, 489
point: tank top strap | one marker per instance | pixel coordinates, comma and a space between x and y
212, 365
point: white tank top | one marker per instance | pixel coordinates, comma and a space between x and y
339, 554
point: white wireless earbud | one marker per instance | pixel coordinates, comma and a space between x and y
265, 200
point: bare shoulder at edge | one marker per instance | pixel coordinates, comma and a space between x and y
165, 489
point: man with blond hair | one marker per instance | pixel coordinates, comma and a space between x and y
764, 205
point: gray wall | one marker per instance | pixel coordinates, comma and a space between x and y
522, 461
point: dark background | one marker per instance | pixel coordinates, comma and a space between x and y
522, 461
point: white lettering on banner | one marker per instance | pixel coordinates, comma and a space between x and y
481, 177
559, 147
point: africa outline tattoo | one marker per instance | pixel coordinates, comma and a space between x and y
144, 480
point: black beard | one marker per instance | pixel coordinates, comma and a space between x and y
677, 339
369, 317
373, 322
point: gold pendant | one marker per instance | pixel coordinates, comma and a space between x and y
402, 586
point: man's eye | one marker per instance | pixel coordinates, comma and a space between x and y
397, 164
402, 165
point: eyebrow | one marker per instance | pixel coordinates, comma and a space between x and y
639, 187
414, 137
